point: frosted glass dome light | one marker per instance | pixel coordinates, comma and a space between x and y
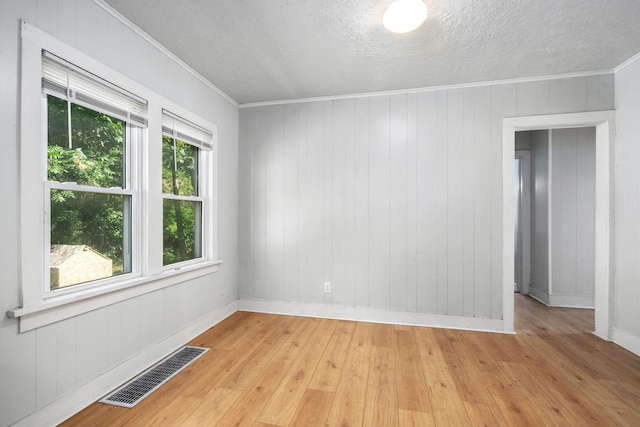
403, 16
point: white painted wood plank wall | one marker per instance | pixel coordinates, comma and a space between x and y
627, 207
573, 215
398, 198
40, 366
539, 144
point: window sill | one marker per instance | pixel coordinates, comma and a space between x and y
62, 307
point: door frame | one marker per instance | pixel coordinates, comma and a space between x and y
525, 218
604, 122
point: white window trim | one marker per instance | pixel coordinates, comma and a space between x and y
36, 310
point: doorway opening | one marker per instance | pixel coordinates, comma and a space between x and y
603, 122
554, 198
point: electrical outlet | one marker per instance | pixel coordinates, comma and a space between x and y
327, 287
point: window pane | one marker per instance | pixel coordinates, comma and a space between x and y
94, 155
90, 237
179, 167
182, 230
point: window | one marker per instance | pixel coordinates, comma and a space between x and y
117, 190
90, 188
183, 149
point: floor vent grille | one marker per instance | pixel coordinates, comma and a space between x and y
133, 392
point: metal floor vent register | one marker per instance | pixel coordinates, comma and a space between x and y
132, 393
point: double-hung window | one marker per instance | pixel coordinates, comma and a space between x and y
91, 187
117, 186
185, 146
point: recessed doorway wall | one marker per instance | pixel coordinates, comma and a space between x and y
604, 124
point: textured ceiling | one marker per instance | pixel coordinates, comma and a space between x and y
266, 50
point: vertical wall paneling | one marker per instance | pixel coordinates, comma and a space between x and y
130, 336
303, 205
350, 192
585, 211
442, 203
245, 215
580, 94
563, 211
152, 319
527, 99
379, 202
561, 99
593, 93
290, 202
426, 188
564, 180
503, 104
92, 345
543, 95
467, 203
363, 191
115, 347
260, 206
19, 369
66, 356
539, 144
627, 200
482, 201
398, 202
607, 92
47, 9
315, 198
327, 197
338, 193
455, 203
273, 137
46, 365
412, 203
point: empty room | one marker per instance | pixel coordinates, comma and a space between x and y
320, 213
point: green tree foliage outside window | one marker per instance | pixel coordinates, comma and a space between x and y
182, 219
93, 156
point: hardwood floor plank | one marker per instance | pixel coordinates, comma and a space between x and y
361, 343
381, 404
313, 409
270, 370
212, 408
174, 414
415, 419
483, 415
412, 391
283, 404
327, 374
382, 335
251, 402
348, 405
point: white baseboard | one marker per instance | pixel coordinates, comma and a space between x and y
373, 315
626, 340
562, 300
572, 301
538, 295
78, 399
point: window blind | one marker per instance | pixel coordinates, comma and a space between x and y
183, 130
66, 81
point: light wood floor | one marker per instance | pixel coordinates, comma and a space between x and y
292, 371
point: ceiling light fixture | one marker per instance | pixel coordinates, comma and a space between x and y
403, 16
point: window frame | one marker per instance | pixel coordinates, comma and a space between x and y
131, 170
37, 308
204, 171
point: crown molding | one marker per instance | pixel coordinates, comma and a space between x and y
430, 88
155, 43
626, 63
